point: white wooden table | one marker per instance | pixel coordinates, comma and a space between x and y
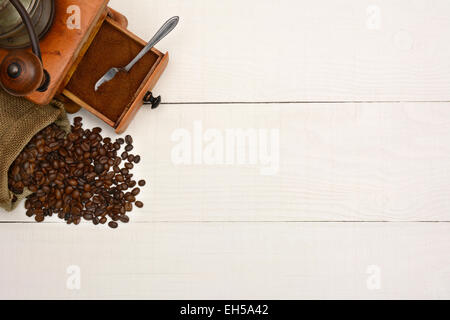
359, 204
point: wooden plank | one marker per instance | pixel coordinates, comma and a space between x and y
228, 261
270, 50
337, 162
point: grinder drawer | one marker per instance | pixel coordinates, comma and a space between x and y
117, 101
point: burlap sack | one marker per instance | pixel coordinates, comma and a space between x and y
20, 120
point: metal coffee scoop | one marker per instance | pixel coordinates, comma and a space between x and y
164, 31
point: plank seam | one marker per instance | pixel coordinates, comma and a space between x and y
298, 102
244, 221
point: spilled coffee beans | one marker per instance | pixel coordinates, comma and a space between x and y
77, 176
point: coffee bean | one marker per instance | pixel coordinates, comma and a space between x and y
87, 216
141, 183
129, 166
132, 184
103, 159
128, 148
113, 224
68, 190
76, 194
98, 168
137, 159
139, 204
59, 204
85, 147
128, 139
97, 130
124, 218
135, 191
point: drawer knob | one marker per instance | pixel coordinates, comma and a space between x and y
150, 99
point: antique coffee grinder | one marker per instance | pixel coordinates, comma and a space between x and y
56, 50
22, 24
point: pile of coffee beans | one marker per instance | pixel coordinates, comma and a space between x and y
77, 176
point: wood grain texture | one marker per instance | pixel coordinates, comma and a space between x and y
229, 232
292, 50
338, 162
227, 261
61, 46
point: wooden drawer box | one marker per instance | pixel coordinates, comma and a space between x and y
117, 101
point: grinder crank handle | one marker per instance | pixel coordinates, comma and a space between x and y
164, 31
